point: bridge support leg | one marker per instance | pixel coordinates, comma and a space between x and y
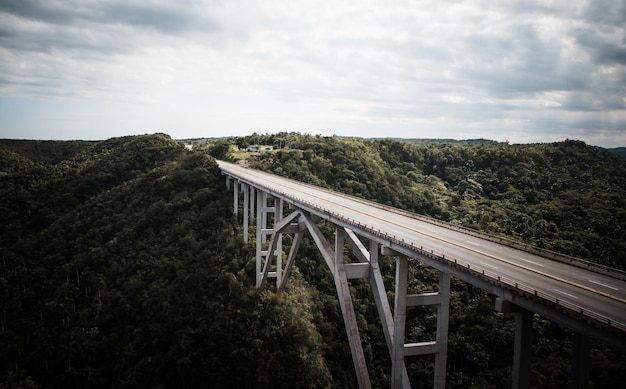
246, 210
236, 196
261, 235
522, 349
580, 362
399, 312
267, 205
443, 315
252, 197
347, 309
278, 216
297, 239
439, 347
384, 310
523, 342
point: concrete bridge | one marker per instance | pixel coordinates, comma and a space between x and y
589, 299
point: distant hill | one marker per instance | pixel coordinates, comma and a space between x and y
428, 141
621, 151
45, 152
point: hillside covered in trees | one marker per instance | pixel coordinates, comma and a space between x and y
565, 196
123, 266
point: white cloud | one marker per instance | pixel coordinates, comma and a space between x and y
532, 71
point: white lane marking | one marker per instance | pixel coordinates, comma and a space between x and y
488, 264
474, 243
565, 293
529, 261
605, 285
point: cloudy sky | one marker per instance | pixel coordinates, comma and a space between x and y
517, 71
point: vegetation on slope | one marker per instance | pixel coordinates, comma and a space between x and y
565, 196
122, 265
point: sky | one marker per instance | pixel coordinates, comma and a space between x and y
516, 71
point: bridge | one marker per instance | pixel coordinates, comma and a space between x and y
587, 298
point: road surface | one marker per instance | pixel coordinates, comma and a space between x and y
598, 293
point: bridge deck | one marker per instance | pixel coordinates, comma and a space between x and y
601, 295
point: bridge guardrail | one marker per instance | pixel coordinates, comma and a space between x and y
545, 253
517, 287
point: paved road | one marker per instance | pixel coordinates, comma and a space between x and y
594, 292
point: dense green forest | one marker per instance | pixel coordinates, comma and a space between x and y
565, 196
123, 265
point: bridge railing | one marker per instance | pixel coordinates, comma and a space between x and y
521, 289
545, 253
528, 291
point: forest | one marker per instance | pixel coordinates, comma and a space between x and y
124, 267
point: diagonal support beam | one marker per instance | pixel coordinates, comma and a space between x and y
321, 242
347, 309
280, 226
290, 259
378, 290
383, 307
357, 246
334, 260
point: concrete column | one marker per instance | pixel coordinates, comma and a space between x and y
443, 315
399, 313
523, 348
246, 212
382, 304
260, 198
252, 201
262, 212
523, 342
278, 216
236, 197
580, 362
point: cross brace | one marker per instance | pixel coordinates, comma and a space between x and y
393, 324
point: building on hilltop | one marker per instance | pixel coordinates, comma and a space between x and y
261, 149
